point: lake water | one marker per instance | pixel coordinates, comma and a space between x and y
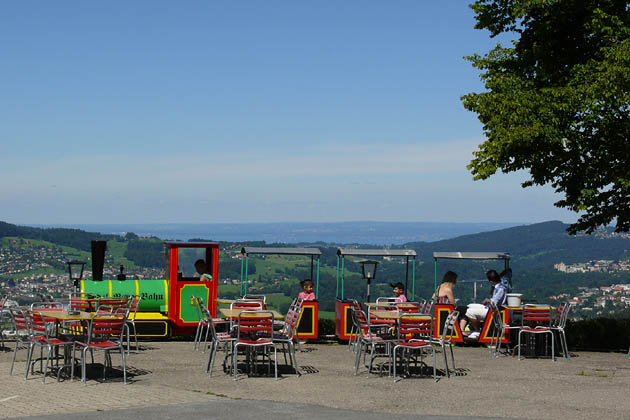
377, 233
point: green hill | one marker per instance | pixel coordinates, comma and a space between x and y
535, 245
534, 249
74, 238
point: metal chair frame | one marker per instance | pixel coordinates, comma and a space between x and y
447, 339
354, 328
536, 315
41, 337
414, 335
499, 329
366, 339
287, 336
130, 319
103, 334
203, 321
23, 334
216, 339
559, 326
259, 323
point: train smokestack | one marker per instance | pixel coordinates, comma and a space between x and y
98, 259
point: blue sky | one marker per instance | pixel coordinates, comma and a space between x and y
248, 111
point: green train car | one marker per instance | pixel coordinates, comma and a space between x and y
167, 307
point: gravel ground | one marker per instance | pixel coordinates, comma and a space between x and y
163, 374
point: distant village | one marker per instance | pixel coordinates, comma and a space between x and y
31, 271
594, 266
599, 301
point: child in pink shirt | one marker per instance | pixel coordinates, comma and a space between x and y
399, 291
307, 290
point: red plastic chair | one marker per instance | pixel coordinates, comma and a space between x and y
216, 339
114, 303
255, 331
409, 307
80, 303
250, 304
105, 333
41, 337
538, 321
46, 306
389, 304
366, 339
414, 337
23, 335
245, 304
360, 322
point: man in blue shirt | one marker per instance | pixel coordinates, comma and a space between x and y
476, 312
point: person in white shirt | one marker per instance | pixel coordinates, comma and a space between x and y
476, 312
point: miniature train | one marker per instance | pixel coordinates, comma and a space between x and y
167, 308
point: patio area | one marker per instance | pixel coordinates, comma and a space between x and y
171, 373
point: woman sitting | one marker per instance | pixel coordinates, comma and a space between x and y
444, 292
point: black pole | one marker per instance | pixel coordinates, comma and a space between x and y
368, 290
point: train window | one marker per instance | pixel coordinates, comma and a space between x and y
187, 258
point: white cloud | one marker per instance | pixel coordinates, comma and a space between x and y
119, 172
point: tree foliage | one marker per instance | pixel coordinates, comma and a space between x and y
558, 102
74, 238
146, 252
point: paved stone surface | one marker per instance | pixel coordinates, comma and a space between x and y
243, 409
171, 376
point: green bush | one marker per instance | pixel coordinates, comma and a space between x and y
599, 334
326, 327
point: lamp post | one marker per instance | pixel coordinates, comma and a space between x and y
76, 273
369, 272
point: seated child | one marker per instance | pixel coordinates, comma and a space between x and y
202, 270
307, 290
399, 291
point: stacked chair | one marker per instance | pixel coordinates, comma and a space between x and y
287, 335
216, 339
366, 340
558, 325
446, 339
130, 319
500, 328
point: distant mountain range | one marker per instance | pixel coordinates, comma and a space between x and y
376, 233
540, 244
535, 245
